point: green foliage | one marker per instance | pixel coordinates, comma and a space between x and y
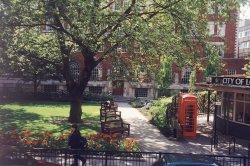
31, 55
192, 80
165, 77
146, 26
247, 67
158, 112
139, 102
96, 97
214, 63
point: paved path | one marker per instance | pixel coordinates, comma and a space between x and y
150, 139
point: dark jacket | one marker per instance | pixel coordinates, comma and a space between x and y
74, 140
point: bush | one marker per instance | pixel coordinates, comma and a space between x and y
140, 102
158, 112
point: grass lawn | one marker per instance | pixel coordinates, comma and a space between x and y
47, 116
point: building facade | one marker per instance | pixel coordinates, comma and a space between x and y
224, 36
233, 112
243, 39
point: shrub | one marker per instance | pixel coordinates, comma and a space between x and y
158, 112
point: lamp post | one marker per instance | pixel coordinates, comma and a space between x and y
214, 126
215, 136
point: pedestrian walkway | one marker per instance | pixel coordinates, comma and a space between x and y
151, 140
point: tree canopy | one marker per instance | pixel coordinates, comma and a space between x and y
50, 31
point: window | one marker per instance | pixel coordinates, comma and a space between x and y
48, 28
210, 27
241, 45
220, 46
48, 24
95, 89
247, 113
101, 49
75, 71
116, 6
240, 34
221, 30
228, 104
50, 88
244, 45
247, 98
125, 3
248, 33
186, 75
242, 112
96, 73
211, 10
231, 72
239, 111
118, 71
124, 48
141, 92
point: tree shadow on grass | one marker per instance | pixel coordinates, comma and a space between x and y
91, 122
20, 119
16, 119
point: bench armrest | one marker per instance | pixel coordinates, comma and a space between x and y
126, 124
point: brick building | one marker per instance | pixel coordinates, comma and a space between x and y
243, 42
223, 35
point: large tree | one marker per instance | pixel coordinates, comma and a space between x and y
33, 58
170, 28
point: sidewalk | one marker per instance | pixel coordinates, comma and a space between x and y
151, 140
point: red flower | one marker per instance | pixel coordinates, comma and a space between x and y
44, 142
28, 142
35, 142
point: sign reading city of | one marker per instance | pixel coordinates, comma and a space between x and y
231, 81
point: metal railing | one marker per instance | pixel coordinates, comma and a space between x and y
249, 150
64, 157
230, 143
214, 141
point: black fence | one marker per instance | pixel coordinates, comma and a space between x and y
64, 157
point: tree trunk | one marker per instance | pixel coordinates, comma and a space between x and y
75, 91
75, 110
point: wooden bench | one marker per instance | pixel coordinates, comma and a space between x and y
109, 114
109, 105
115, 126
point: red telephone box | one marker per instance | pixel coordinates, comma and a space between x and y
187, 114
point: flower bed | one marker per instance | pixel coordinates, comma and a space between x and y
113, 142
98, 142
